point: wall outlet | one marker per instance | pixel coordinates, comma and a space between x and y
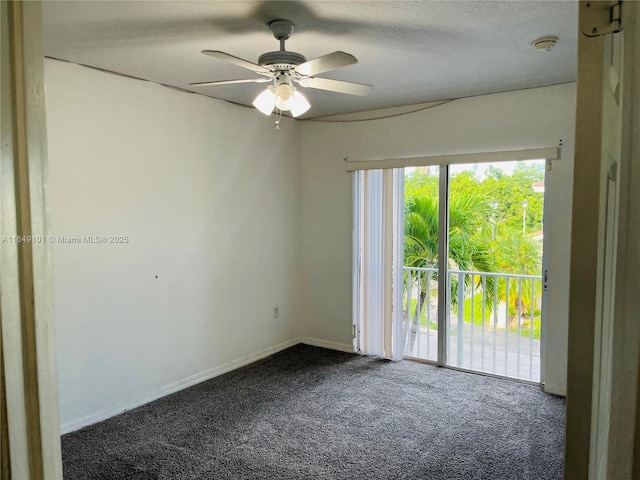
276, 311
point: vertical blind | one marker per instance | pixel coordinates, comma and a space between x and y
379, 258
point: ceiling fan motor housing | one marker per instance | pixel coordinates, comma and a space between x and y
280, 60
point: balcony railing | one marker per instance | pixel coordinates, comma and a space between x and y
493, 320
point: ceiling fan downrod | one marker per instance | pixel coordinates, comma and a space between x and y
281, 60
282, 30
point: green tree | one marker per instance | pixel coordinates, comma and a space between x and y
486, 217
510, 191
519, 255
468, 250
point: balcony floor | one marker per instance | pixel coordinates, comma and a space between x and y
482, 359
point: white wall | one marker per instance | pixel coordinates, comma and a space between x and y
507, 121
207, 194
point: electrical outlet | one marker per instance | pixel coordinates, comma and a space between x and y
276, 311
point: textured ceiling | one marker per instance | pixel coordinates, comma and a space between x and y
411, 52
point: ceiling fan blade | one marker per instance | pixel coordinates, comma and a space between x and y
327, 62
337, 86
236, 61
230, 82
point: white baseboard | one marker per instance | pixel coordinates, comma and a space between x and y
316, 342
176, 386
220, 370
559, 390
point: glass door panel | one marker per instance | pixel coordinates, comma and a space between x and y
494, 279
420, 266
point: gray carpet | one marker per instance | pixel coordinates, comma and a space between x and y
310, 413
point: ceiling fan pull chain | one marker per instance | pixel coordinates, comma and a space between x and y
277, 122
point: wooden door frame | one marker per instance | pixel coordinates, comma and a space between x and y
30, 432
624, 434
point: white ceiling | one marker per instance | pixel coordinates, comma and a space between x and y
410, 51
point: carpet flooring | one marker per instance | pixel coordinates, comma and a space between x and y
311, 413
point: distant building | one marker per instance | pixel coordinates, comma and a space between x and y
538, 187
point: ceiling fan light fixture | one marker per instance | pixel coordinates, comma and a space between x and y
284, 91
284, 97
299, 105
266, 101
288, 98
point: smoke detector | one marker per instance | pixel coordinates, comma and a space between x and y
545, 43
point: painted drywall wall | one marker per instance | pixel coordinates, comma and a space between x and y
534, 118
198, 201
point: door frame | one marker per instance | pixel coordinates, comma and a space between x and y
623, 436
546, 216
29, 427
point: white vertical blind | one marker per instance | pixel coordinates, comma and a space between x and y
397, 349
372, 269
379, 239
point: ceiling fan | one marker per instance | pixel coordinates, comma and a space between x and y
284, 69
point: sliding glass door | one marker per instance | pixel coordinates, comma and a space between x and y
480, 307
448, 265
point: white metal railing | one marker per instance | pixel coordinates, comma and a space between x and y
492, 320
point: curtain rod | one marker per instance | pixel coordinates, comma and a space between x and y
550, 153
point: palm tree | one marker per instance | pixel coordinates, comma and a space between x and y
520, 255
421, 232
468, 248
